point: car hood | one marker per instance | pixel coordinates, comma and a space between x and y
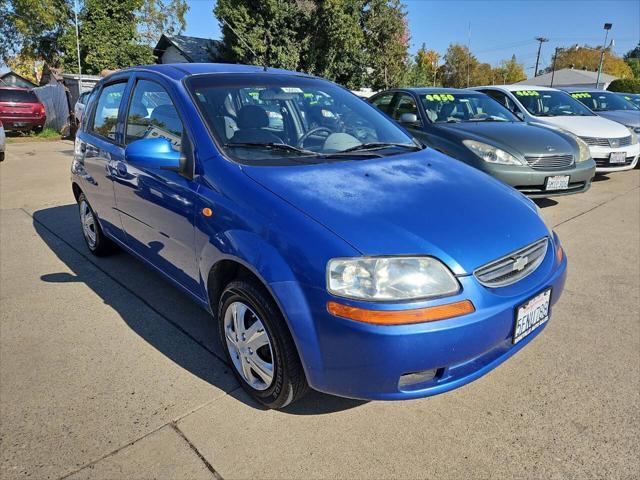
418, 203
587, 126
630, 118
514, 137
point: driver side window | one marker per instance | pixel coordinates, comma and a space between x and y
405, 105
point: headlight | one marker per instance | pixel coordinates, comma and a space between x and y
585, 153
491, 154
634, 137
390, 278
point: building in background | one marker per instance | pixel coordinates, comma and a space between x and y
570, 77
12, 79
184, 49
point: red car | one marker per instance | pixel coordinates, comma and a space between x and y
20, 109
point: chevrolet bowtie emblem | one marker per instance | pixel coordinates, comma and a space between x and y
520, 263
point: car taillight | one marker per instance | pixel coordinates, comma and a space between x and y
40, 110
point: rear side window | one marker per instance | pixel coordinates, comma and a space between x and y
152, 114
106, 114
18, 96
405, 104
383, 102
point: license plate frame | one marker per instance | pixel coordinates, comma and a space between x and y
527, 311
557, 182
616, 158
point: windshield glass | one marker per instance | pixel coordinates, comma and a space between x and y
550, 103
284, 119
17, 96
635, 99
464, 107
603, 101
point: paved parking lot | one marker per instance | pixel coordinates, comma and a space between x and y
106, 371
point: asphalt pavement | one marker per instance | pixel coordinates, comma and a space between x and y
107, 371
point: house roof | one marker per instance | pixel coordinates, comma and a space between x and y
195, 49
568, 77
14, 74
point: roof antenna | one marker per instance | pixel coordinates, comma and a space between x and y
264, 63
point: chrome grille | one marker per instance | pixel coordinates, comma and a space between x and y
608, 142
514, 266
550, 162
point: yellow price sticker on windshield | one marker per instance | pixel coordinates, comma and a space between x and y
440, 97
527, 93
581, 95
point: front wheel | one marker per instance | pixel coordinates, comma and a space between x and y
97, 243
258, 344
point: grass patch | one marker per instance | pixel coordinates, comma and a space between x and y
48, 133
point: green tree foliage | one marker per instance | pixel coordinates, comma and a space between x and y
276, 30
386, 42
509, 71
632, 58
337, 47
45, 30
627, 85
423, 69
457, 62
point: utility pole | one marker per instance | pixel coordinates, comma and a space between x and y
553, 68
469, 57
607, 27
75, 11
541, 40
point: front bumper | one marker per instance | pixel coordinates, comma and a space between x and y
602, 154
360, 360
532, 182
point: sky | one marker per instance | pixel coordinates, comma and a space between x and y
499, 28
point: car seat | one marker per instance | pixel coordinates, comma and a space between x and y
252, 120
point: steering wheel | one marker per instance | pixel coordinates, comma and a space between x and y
311, 132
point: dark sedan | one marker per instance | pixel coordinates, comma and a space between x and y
473, 128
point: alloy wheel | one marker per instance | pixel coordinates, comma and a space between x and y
88, 224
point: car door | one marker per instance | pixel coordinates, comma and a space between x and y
158, 206
100, 146
404, 110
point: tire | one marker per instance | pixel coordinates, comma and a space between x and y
95, 239
38, 129
262, 321
2, 156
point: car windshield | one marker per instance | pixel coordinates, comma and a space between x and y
550, 103
269, 119
603, 101
17, 96
635, 99
447, 107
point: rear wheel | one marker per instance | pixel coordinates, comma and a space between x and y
258, 344
97, 243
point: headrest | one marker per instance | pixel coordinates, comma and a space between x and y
252, 116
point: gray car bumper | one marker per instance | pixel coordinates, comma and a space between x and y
532, 182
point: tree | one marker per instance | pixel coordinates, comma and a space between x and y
26, 66
337, 48
386, 40
274, 29
458, 63
45, 30
422, 69
627, 85
632, 58
588, 58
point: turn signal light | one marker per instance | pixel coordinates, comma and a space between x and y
559, 253
401, 317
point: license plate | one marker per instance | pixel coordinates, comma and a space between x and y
617, 157
531, 315
19, 124
558, 182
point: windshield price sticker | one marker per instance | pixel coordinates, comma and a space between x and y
581, 95
440, 97
527, 93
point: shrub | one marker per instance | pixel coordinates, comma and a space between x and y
627, 85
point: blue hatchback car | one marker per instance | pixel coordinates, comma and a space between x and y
334, 250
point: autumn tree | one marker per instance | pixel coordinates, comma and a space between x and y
509, 71
459, 63
632, 58
422, 69
588, 58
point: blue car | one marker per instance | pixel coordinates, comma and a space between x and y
334, 251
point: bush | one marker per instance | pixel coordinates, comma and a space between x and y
626, 85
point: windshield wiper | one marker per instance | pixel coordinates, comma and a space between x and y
272, 146
365, 147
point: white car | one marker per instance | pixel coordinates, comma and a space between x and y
613, 146
1, 142
80, 105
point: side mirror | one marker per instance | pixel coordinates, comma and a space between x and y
409, 119
153, 153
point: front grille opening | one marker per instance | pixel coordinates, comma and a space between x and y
514, 266
417, 380
550, 162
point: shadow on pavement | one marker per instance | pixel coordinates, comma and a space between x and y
196, 341
545, 202
600, 177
